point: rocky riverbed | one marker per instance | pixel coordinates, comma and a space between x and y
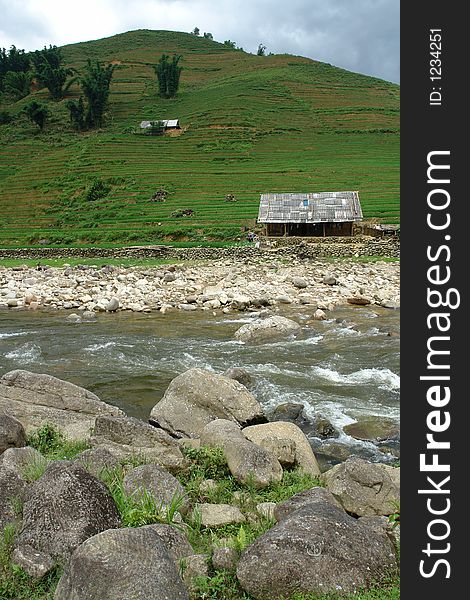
223, 286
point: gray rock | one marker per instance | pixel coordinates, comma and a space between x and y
284, 299
304, 456
247, 461
224, 558
373, 429
311, 496
379, 523
271, 329
329, 280
218, 515
112, 305
318, 549
33, 562
323, 428
289, 411
73, 318
207, 486
299, 282
266, 509
159, 483
175, 540
97, 460
358, 300
197, 397
63, 508
194, 567
282, 448
168, 277
12, 491
125, 436
364, 488
240, 302
35, 399
121, 564
390, 304
89, 315
187, 307
12, 433
240, 375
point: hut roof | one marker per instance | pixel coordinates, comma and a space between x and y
166, 123
321, 207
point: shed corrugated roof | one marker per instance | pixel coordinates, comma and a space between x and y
321, 207
166, 123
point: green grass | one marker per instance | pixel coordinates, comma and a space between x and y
15, 584
253, 124
94, 262
53, 445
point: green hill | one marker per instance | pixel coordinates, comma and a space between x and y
252, 124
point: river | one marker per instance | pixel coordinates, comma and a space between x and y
345, 367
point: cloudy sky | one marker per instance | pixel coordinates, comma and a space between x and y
359, 35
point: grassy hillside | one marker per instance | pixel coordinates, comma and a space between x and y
252, 124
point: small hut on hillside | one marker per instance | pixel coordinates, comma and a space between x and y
320, 214
166, 124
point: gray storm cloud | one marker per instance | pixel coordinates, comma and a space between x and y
359, 35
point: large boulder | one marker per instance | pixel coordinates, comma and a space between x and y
364, 488
12, 433
197, 397
271, 329
311, 496
317, 549
247, 462
304, 456
125, 436
120, 564
175, 540
63, 508
159, 483
239, 374
35, 399
97, 461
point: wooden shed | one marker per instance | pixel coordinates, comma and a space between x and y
310, 214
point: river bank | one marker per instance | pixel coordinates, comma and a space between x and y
216, 285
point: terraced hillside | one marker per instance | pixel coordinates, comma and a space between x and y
251, 124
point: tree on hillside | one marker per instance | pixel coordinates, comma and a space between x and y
17, 84
195, 31
95, 85
168, 75
14, 60
37, 112
208, 35
261, 50
230, 44
77, 113
49, 71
